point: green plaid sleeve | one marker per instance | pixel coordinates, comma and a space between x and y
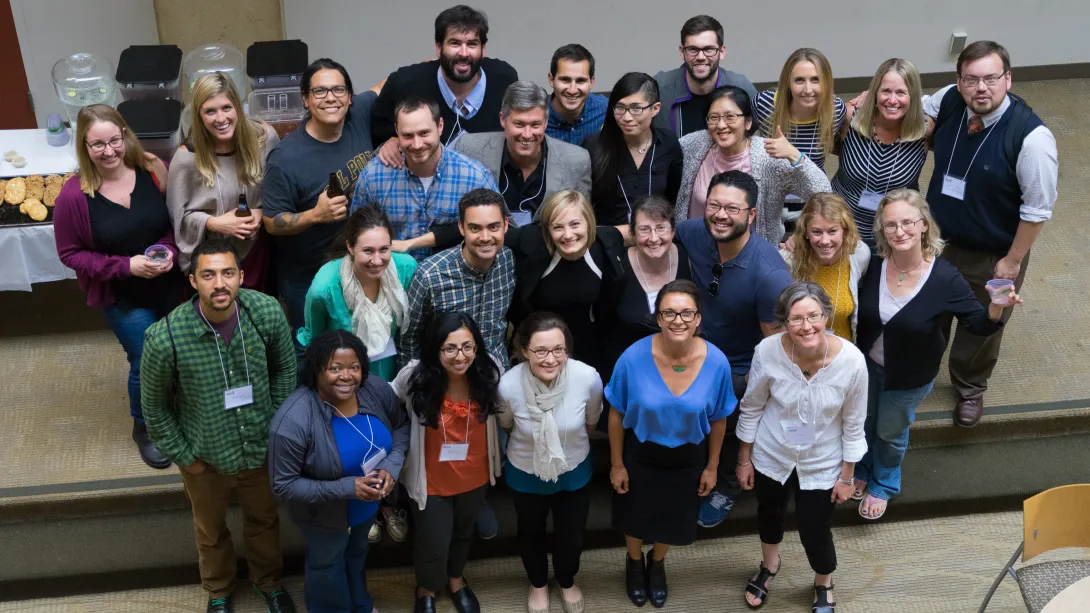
157, 396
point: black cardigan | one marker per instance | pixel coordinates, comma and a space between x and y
914, 341
421, 79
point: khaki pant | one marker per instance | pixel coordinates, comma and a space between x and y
973, 357
209, 494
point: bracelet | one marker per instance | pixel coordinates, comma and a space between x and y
802, 156
741, 464
848, 482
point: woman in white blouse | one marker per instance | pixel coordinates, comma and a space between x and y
549, 403
801, 429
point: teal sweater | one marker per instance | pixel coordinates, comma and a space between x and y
325, 308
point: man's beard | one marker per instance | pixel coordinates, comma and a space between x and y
736, 231
447, 63
713, 73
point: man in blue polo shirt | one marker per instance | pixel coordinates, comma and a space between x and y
740, 276
574, 112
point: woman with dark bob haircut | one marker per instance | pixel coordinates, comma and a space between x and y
336, 448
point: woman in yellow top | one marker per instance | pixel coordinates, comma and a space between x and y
828, 251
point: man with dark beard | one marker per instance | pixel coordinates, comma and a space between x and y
684, 91
468, 86
740, 276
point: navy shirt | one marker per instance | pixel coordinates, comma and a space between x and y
748, 289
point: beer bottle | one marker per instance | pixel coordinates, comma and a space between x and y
243, 209
334, 188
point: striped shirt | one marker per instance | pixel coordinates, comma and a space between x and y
412, 209
804, 135
445, 283
869, 165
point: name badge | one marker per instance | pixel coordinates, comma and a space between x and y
869, 200
522, 218
237, 397
370, 463
454, 452
953, 187
390, 350
799, 435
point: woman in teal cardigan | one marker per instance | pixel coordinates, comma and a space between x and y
361, 293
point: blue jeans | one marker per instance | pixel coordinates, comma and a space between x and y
129, 327
889, 415
336, 580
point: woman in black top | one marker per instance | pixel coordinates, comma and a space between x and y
631, 159
906, 300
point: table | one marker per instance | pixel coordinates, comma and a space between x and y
1074, 599
40, 157
28, 254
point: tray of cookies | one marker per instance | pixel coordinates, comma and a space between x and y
29, 200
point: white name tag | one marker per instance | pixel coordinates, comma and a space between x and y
390, 350
522, 218
799, 435
370, 463
239, 396
869, 200
454, 452
953, 187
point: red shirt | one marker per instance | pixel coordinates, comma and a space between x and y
457, 477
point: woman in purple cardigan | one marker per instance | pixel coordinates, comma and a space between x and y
104, 220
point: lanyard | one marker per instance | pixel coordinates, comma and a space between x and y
507, 184
870, 157
443, 423
649, 167
370, 440
955, 148
223, 367
457, 129
798, 403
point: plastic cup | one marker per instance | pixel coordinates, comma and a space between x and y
1000, 290
157, 254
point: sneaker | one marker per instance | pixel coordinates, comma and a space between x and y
277, 601
374, 535
486, 525
714, 510
397, 526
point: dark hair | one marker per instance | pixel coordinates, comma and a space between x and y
655, 207
413, 102
573, 52
360, 221
427, 384
540, 321
741, 99
611, 147
982, 49
796, 293
213, 246
699, 24
321, 350
461, 18
482, 196
678, 286
324, 63
736, 178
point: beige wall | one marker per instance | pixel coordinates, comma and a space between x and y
190, 23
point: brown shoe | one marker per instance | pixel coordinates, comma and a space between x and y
968, 411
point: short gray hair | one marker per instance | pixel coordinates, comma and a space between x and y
797, 292
523, 96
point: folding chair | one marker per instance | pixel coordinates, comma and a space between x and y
1055, 518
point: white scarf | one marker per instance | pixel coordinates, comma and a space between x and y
371, 321
550, 460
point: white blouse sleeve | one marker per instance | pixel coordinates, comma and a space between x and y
854, 415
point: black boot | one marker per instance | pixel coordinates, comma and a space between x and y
148, 451
635, 580
656, 582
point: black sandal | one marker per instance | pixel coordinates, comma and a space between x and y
759, 587
821, 600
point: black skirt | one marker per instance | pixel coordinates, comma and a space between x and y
662, 504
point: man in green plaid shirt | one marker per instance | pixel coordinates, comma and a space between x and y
213, 374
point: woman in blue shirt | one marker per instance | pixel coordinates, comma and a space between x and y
670, 395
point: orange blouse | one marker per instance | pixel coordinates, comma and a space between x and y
452, 478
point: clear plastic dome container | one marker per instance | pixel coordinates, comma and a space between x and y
83, 79
211, 58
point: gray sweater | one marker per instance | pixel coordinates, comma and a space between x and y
674, 90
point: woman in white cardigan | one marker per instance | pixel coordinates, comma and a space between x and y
801, 429
828, 251
549, 403
451, 396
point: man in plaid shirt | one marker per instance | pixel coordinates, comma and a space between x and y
213, 374
427, 188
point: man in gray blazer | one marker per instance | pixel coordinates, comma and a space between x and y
527, 165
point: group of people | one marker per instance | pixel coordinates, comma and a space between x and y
479, 277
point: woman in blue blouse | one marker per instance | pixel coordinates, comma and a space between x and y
670, 395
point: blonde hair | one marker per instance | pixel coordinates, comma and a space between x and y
931, 241
781, 112
914, 125
89, 179
831, 206
557, 204
249, 135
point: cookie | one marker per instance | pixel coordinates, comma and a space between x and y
22, 207
15, 192
51, 193
54, 180
3, 187
34, 180
36, 210
35, 190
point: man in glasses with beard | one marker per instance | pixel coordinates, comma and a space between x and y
468, 86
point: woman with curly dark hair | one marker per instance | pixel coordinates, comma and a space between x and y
451, 396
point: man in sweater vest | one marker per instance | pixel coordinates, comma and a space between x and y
993, 188
468, 86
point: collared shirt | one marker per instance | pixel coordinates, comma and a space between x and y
183, 380
525, 195
472, 102
412, 209
589, 121
446, 283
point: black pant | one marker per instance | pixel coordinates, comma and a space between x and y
570, 510
444, 532
813, 513
726, 481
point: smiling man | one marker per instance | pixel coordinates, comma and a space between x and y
574, 112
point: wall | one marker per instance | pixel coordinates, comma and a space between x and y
191, 23
629, 35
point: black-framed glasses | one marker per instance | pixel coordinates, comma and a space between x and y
115, 143
620, 109
557, 352
729, 118
707, 51
671, 315
468, 349
973, 81
731, 209
906, 225
322, 92
717, 272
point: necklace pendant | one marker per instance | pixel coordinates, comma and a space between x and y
900, 278
807, 373
679, 367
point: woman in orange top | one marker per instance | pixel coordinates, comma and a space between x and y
451, 394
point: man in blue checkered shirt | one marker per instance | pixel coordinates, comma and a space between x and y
427, 188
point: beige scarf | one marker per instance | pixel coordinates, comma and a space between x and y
371, 321
550, 460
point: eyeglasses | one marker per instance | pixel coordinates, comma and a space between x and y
717, 271
728, 118
661, 229
322, 92
450, 351
636, 111
906, 225
672, 315
731, 209
557, 352
115, 143
707, 51
973, 81
797, 320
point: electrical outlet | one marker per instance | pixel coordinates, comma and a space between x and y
957, 42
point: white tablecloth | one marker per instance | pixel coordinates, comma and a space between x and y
28, 254
41, 159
